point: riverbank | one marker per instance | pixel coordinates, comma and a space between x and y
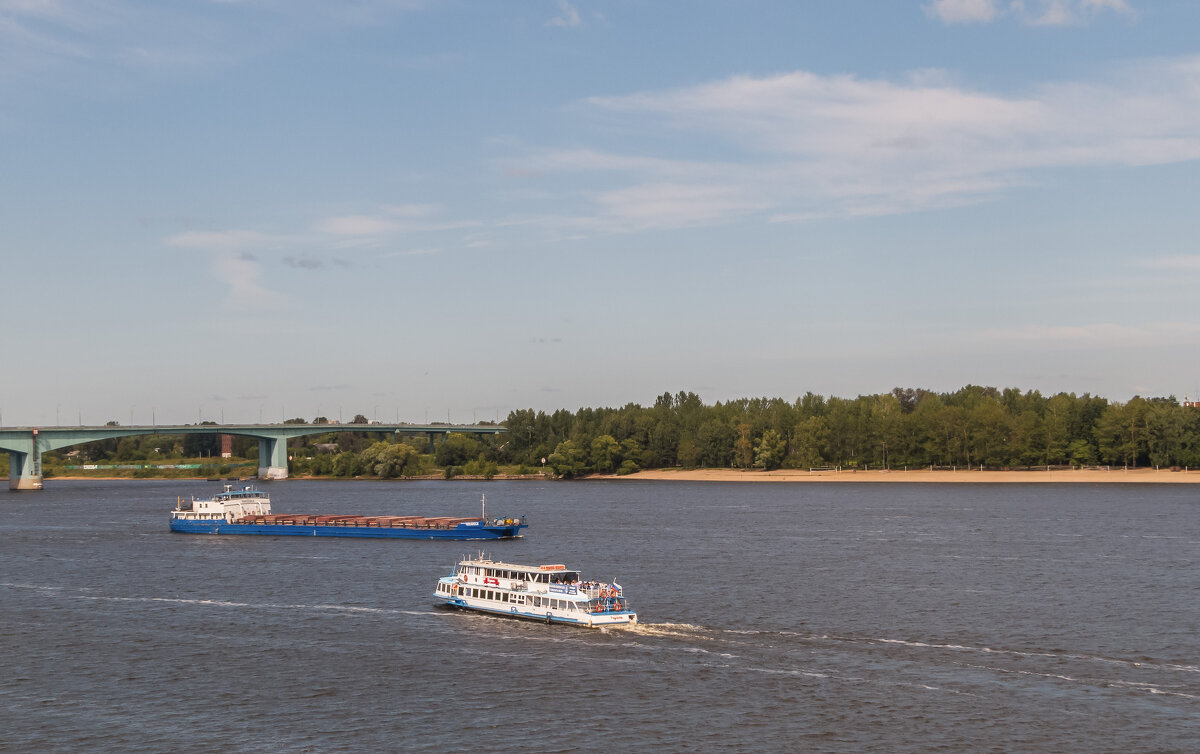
894, 476
959, 476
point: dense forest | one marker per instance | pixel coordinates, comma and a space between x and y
975, 426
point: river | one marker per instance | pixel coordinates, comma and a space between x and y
807, 617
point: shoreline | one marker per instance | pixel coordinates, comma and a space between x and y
939, 476
800, 476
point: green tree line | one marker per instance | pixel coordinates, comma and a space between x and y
974, 426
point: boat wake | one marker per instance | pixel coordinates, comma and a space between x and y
671, 631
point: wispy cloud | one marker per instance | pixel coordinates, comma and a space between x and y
567, 16
1177, 263
159, 37
963, 11
233, 262
1090, 334
390, 221
1030, 12
801, 145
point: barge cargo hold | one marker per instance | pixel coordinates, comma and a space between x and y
248, 511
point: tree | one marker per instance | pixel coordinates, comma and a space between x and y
769, 450
807, 441
456, 450
606, 453
1121, 432
715, 442
388, 460
567, 460
347, 464
743, 447
1081, 453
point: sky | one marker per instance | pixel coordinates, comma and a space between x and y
446, 210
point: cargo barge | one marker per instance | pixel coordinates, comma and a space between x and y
248, 511
552, 593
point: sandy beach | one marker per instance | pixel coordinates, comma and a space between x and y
961, 476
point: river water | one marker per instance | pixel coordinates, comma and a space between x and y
775, 617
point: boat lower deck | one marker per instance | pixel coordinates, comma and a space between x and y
545, 607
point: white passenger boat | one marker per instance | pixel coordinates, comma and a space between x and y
551, 593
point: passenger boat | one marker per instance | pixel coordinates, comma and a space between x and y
552, 593
248, 511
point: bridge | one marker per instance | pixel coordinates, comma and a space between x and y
25, 445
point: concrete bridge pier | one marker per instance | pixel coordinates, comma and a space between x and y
24, 470
24, 459
273, 451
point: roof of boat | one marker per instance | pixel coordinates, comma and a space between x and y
246, 491
489, 563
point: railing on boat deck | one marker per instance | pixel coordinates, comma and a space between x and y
608, 605
601, 592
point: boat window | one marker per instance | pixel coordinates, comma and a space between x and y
504, 596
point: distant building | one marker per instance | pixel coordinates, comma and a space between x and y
227, 446
326, 447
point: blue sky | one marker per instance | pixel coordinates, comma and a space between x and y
421, 210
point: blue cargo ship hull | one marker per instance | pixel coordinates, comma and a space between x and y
192, 526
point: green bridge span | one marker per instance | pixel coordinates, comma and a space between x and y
25, 445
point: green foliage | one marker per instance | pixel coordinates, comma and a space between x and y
628, 466
481, 467
972, 426
606, 453
348, 464
567, 460
389, 460
769, 450
457, 449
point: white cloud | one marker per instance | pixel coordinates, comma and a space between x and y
413, 210
567, 15
1031, 12
390, 221
233, 262
356, 225
963, 11
801, 144
1065, 12
674, 205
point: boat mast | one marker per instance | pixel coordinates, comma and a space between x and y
483, 502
